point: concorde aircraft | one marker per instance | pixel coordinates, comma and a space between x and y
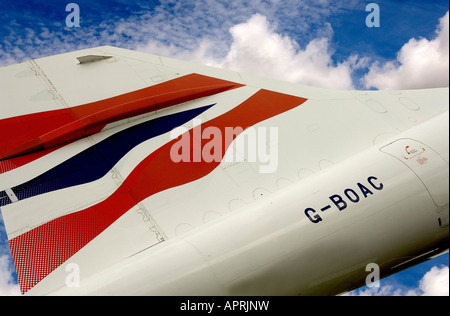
124, 173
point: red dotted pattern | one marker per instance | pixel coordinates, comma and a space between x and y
41, 250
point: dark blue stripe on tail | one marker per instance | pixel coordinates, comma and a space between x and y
94, 162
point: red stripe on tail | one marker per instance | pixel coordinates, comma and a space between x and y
39, 251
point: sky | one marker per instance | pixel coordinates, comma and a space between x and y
314, 42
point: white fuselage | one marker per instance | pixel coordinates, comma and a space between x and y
314, 237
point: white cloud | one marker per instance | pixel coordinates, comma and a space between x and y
421, 63
7, 285
386, 290
434, 283
258, 49
245, 36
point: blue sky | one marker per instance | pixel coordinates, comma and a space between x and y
202, 31
315, 42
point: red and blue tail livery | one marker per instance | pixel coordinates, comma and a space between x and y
143, 175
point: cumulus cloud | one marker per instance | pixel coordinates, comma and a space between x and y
258, 48
249, 36
7, 285
433, 283
421, 63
